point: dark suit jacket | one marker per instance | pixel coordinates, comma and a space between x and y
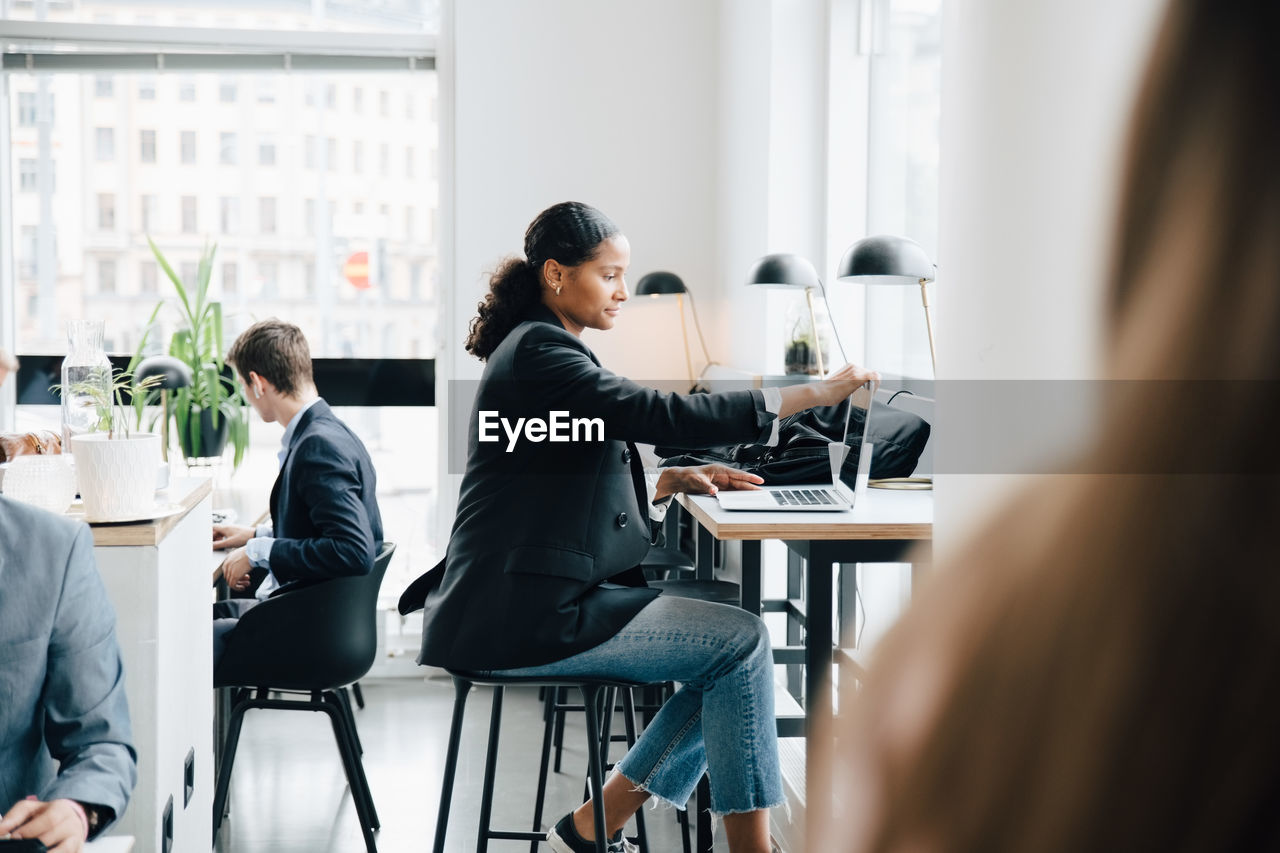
323, 508
539, 528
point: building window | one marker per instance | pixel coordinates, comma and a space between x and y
28, 249
147, 277
268, 274
331, 96
408, 105
331, 152
147, 88
357, 157
104, 143
227, 91
147, 146
357, 100
266, 152
408, 223
188, 147
188, 271
408, 163
309, 151
308, 280
27, 113
266, 90
106, 211
103, 86
230, 278
267, 215
384, 160
415, 280
309, 217
106, 275
229, 214
28, 174
227, 148
189, 214
147, 207
384, 103
187, 89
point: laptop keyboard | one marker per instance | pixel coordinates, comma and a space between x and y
804, 497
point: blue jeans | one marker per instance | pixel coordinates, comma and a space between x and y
720, 721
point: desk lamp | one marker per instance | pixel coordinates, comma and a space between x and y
788, 270
886, 259
663, 283
173, 374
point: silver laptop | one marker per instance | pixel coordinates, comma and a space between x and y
832, 496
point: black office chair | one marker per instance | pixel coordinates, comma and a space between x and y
316, 641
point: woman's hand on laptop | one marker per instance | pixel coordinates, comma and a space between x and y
703, 480
825, 392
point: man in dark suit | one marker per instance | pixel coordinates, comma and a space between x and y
324, 514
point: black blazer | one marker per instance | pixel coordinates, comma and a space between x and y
539, 528
323, 508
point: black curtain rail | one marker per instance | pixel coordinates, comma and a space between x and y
369, 382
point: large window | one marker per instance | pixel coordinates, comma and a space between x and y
251, 133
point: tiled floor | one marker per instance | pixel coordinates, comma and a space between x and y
289, 794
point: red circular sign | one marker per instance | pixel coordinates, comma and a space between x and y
356, 270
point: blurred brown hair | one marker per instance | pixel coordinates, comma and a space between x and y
275, 350
1097, 670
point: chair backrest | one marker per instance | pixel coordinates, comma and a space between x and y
319, 637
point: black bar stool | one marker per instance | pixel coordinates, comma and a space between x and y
597, 696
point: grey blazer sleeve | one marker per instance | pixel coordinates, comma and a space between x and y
86, 714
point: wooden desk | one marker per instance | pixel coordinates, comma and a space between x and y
162, 623
883, 528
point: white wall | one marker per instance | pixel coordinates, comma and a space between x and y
1035, 104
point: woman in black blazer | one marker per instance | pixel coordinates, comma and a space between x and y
540, 575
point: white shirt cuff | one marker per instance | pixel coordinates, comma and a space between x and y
258, 550
772, 405
658, 511
265, 530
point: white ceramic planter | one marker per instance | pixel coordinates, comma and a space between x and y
117, 477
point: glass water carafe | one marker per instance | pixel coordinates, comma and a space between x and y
86, 382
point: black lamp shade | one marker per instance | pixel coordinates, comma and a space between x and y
172, 372
886, 259
783, 270
657, 283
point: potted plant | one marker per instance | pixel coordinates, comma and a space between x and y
115, 468
211, 411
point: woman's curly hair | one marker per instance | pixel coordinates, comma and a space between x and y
569, 233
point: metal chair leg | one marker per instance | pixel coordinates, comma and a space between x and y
228, 759
351, 764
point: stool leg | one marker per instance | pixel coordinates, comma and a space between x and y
359, 694
490, 770
548, 716
560, 699
703, 820
591, 701
629, 725
461, 687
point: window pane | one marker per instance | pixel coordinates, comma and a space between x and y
288, 218
902, 174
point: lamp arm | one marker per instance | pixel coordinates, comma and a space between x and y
832, 317
693, 308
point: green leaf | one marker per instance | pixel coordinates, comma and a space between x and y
173, 277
